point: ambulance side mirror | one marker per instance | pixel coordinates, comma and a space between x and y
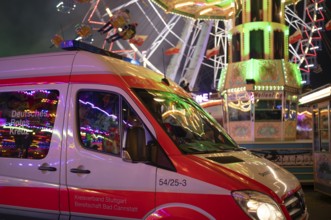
135, 145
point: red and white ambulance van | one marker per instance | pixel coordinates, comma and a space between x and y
89, 136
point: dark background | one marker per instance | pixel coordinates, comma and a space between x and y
28, 26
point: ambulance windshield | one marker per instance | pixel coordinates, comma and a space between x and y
188, 125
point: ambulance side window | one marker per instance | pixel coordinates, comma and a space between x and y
139, 144
98, 121
106, 121
27, 122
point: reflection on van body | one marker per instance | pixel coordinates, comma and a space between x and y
27, 119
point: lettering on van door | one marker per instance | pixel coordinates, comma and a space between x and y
104, 202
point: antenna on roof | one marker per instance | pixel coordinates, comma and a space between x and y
164, 80
62, 32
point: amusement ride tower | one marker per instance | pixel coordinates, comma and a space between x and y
260, 86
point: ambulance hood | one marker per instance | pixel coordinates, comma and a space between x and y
259, 169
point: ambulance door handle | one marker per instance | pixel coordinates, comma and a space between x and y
79, 170
45, 167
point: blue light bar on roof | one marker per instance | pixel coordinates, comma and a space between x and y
78, 45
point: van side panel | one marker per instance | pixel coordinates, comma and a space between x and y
101, 184
31, 144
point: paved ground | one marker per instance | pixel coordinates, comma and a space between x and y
319, 205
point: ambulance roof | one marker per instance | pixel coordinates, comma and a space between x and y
79, 58
81, 61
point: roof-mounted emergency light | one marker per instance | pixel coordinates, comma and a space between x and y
77, 45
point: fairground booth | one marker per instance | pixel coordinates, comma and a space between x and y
319, 102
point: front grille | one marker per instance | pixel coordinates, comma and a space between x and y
295, 205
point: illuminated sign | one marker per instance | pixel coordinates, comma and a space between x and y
202, 98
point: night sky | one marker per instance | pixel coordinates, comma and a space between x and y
28, 26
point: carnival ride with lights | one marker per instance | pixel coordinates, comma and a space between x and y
256, 53
190, 34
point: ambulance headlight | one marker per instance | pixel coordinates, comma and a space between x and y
258, 206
